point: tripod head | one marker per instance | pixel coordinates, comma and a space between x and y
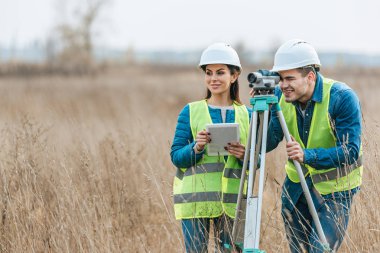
263, 84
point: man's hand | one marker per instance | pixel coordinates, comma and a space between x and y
252, 93
294, 150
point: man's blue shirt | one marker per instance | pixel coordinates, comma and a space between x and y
345, 119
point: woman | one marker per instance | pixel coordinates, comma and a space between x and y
206, 187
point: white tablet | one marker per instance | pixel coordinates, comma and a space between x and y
221, 135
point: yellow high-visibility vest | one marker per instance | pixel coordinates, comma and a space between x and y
210, 188
321, 136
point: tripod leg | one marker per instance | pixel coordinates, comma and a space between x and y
259, 139
256, 148
253, 211
305, 189
238, 213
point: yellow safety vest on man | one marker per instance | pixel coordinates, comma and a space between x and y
211, 187
321, 135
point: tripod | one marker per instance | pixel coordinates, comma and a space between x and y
251, 205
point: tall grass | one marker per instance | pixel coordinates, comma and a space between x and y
85, 165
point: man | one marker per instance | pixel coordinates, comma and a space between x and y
324, 119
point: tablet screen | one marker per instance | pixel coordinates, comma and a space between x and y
221, 135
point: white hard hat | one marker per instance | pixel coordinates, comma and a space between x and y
294, 54
220, 53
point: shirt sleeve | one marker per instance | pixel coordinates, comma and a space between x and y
345, 119
182, 150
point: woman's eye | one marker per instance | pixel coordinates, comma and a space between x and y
220, 73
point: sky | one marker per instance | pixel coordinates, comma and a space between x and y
329, 25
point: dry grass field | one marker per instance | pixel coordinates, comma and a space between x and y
85, 164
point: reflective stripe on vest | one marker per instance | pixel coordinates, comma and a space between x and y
205, 196
210, 188
321, 136
209, 168
333, 174
337, 173
232, 173
201, 168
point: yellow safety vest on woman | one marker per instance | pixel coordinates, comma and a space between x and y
321, 135
210, 188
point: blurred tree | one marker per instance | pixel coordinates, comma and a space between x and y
70, 46
242, 52
274, 45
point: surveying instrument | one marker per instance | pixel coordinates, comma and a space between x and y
246, 227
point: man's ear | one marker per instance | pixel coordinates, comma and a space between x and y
311, 76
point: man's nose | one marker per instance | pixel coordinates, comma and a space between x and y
283, 84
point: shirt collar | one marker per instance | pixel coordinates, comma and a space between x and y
318, 89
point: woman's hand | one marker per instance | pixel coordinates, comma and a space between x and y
236, 149
203, 137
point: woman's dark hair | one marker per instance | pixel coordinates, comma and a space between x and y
234, 88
